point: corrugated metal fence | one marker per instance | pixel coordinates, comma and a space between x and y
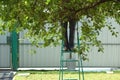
5, 59
50, 57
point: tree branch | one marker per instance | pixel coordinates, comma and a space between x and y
118, 0
93, 5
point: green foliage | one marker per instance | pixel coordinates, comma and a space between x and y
42, 19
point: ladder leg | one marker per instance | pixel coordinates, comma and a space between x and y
60, 72
79, 69
82, 69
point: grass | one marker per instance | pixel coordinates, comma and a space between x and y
54, 75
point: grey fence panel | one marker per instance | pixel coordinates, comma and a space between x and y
5, 60
50, 57
4, 56
44, 57
110, 57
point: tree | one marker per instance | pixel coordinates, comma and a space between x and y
42, 19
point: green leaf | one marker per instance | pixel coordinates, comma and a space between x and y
48, 1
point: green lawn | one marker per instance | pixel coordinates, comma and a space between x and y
54, 75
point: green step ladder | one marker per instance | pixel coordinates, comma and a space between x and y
71, 62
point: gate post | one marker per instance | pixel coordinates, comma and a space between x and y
14, 48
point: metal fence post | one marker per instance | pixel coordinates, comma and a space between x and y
14, 47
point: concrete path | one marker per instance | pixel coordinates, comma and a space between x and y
6, 75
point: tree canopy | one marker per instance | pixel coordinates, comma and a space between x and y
42, 18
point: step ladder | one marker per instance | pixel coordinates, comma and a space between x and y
71, 63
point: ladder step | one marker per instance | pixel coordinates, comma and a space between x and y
70, 60
70, 79
70, 70
67, 51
